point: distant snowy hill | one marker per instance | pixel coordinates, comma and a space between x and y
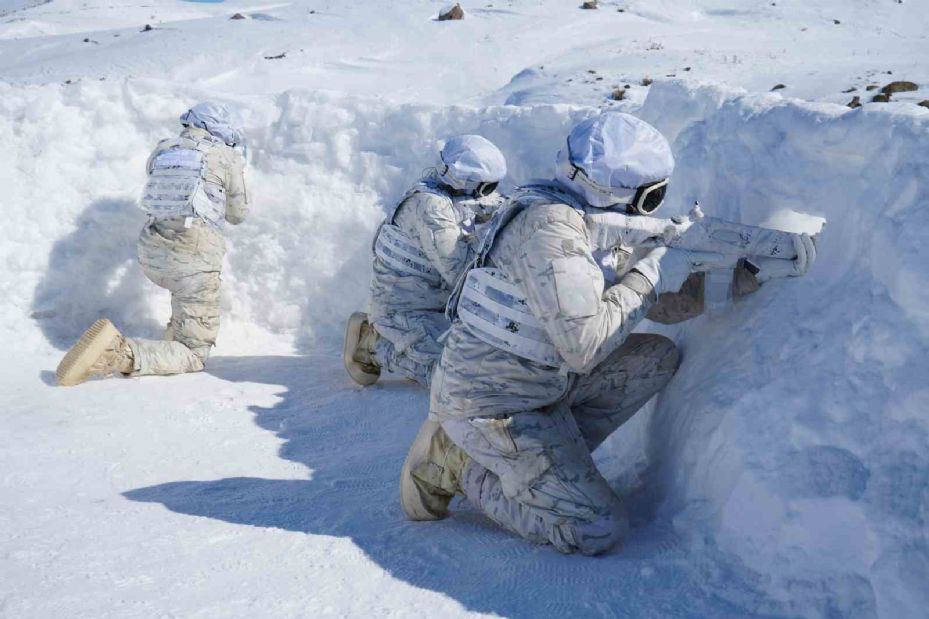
784, 472
521, 51
11, 6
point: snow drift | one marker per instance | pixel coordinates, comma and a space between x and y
323, 169
795, 436
794, 440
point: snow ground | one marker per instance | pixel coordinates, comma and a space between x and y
518, 50
784, 473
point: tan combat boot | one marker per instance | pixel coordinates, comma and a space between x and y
431, 473
101, 351
358, 351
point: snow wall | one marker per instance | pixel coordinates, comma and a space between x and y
795, 438
323, 169
796, 435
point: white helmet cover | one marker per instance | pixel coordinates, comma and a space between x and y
218, 119
466, 161
608, 157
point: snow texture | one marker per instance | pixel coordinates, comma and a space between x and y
794, 435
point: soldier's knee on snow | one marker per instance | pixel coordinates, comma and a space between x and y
202, 353
656, 351
667, 352
593, 538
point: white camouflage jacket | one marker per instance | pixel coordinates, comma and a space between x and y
545, 250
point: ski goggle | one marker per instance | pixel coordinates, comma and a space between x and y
485, 189
481, 190
648, 198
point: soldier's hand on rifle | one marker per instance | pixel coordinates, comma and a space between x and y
667, 268
772, 268
613, 263
606, 260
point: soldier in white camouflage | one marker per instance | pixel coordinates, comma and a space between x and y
195, 184
541, 363
420, 250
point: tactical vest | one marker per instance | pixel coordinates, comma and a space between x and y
494, 309
177, 185
403, 254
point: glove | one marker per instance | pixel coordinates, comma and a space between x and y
606, 260
613, 263
667, 268
772, 268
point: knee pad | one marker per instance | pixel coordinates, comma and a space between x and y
595, 537
668, 354
654, 348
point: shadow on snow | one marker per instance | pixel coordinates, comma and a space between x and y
94, 272
354, 440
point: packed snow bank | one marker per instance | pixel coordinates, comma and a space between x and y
795, 436
324, 167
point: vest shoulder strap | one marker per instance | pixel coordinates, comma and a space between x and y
420, 187
522, 198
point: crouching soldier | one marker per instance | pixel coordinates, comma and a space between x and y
540, 365
420, 250
195, 184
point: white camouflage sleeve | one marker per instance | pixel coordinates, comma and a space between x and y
565, 290
440, 235
236, 196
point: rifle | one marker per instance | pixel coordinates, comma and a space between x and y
723, 245
733, 242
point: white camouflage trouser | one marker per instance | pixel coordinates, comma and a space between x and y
532, 472
186, 262
409, 343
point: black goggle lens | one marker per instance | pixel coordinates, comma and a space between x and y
653, 199
485, 189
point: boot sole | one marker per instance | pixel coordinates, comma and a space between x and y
352, 337
75, 367
410, 497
